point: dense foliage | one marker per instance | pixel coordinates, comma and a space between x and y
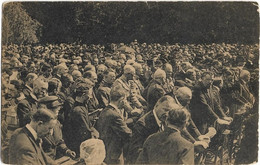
184, 22
18, 27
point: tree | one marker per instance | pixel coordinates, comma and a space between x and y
18, 26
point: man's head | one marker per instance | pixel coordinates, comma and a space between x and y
101, 68
76, 74
160, 76
66, 80
81, 91
207, 79
245, 75
92, 76
191, 74
11, 92
43, 121
30, 79
109, 77
54, 86
118, 96
163, 106
168, 70
139, 69
50, 102
184, 95
129, 72
40, 88
178, 117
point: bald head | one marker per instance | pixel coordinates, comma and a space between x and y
76, 74
168, 69
160, 76
163, 105
245, 75
184, 95
129, 72
138, 68
40, 88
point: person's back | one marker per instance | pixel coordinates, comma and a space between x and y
167, 147
22, 143
114, 132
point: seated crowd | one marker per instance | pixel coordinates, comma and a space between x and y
147, 103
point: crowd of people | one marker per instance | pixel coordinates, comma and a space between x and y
148, 103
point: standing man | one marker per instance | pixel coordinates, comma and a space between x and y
25, 143
113, 128
203, 104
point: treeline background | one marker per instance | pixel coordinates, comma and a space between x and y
115, 22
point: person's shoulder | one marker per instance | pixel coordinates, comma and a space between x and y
176, 137
103, 89
79, 109
20, 136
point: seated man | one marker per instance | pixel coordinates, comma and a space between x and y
152, 122
53, 144
169, 147
25, 143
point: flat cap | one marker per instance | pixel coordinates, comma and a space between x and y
52, 101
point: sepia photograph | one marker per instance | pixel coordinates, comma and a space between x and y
124, 82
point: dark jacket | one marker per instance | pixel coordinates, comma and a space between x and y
103, 94
25, 109
24, 149
80, 127
143, 128
114, 132
202, 107
155, 92
54, 145
167, 147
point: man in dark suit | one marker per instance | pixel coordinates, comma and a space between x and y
27, 106
202, 104
169, 147
53, 144
113, 128
25, 143
79, 127
156, 90
103, 92
151, 122
27, 90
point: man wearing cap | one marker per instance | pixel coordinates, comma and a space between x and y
53, 144
156, 90
78, 127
